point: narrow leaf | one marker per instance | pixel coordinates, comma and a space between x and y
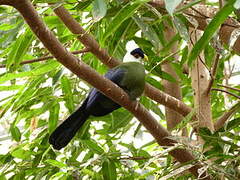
67, 91
55, 163
21, 154
19, 48
209, 31
42, 69
171, 5
99, 9
93, 146
15, 132
126, 12
148, 32
53, 117
109, 170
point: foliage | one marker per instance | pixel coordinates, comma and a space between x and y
36, 97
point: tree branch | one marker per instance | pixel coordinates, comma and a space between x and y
226, 30
5, 2
232, 94
46, 58
228, 87
213, 73
104, 85
227, 115
150, 91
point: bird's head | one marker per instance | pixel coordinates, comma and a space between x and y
134, 53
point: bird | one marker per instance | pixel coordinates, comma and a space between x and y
129, 75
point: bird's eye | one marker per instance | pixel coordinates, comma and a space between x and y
136, 55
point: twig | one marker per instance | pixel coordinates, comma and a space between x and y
213, 73
232, 94
228, 114
228, 87
46, 58
134, 158
203, 15
164, 60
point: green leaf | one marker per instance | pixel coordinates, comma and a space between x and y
21, 153
109, 170
209, 31
149, 32
181, 27
55, 163
233, 124
93, 146
15, 132
126, 12
67, 91
167, 76
53, 117
186, 120
83, 5
19, 48
10, 88
99, 9
171, 5
42, 69
120, 119
3, 177
184, 55
58, 175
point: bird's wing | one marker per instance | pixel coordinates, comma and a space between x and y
95, 96
115, 75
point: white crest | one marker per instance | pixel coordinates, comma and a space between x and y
130, 46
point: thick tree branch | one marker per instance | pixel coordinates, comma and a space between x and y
46, 58
5, 2
104, 85
150, 91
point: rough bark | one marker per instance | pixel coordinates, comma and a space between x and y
104, 85
172, 88
200, 82
202, 15
150, 91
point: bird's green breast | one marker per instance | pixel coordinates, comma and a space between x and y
134, 79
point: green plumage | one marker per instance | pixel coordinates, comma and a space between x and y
134, 79
130, 76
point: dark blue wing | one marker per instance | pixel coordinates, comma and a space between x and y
97, 103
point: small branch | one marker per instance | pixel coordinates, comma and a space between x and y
203, 15
46, 58
134, 158
92, 77
234, 95
213, 73
228, 87
227, 115
89, 41
164, 60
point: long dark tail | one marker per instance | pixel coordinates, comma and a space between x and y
67, 130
